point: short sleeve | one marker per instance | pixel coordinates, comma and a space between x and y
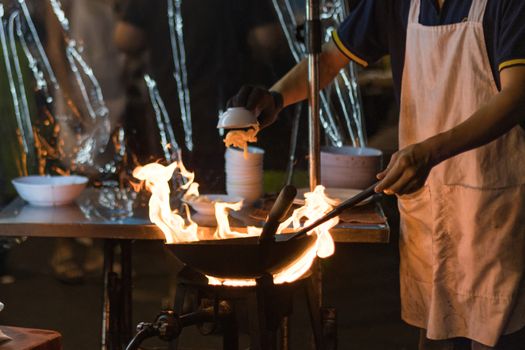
136, 12
510, 34
363, 35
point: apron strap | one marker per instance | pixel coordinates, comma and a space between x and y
413, 15
477, 11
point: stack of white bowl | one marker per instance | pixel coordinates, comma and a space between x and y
244, 175
350, 167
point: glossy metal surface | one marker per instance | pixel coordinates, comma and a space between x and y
20, 219
312, 14
240, 257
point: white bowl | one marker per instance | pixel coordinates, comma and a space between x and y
241, 161
254, 156
244, 179
47, 191
338, 195
255, 188
249, 197
237, 118
347, 156
243, 166
244, 189
350, 167
347, 177
240, 171
205, 203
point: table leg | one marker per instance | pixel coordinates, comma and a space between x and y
117, 303
285, 334
314, 309
109, 252
126, 328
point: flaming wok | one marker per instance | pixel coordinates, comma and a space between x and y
252, 257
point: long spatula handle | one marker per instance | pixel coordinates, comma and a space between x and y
358, 198
278, 213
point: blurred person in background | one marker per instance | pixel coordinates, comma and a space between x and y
223, 41
91, 24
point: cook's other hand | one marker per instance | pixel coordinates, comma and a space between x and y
258, 100
407, 171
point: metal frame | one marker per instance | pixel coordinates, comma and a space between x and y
314, 51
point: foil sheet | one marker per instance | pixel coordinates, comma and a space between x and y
58, 133
341, 111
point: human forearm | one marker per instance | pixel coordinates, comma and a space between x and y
503, 112
410, 166
294, 85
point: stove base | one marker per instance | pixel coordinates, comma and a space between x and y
267, 306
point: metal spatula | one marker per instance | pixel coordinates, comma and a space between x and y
361, 196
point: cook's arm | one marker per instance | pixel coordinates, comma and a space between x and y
292, 88
294, 85
410, 167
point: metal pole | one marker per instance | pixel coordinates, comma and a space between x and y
313, 28
313, 34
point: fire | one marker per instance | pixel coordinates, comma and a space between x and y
316, 205
173, 225
178, 227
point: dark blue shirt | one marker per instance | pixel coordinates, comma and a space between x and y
376, 28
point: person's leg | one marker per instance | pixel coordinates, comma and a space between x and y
5, 277
94, 258
513, 341
64, 264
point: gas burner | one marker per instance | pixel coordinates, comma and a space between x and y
268, 304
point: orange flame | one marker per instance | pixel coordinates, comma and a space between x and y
177, 229
316, 205
174, 226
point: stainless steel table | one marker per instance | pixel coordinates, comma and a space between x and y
20, 219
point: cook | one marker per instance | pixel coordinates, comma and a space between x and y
459, 73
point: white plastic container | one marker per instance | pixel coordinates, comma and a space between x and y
244, 176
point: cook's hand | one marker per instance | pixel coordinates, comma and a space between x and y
407, 171
259, 100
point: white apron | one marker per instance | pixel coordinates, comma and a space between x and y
462, 236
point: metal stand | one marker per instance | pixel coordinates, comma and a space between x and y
268, 305
116, 306
314, 41
313, 32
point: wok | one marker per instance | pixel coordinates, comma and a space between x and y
240, 258
252, 257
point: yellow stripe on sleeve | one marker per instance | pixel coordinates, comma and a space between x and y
347, 52
511, 63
